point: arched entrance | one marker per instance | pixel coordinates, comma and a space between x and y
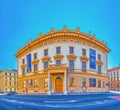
58, 84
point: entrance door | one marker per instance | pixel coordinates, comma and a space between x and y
58, 85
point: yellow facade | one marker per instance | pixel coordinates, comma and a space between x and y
8, 81
59, 78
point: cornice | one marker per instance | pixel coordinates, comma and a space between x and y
63, 34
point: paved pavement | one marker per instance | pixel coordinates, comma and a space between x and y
60, 102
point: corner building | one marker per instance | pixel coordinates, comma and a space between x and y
63, 61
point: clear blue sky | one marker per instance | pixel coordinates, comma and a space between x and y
21, 20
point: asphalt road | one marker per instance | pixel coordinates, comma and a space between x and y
60, 102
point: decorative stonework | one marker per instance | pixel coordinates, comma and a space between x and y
45, 58
23, 66
99, 62
58, 57
61, 36
57, 67
36, 61
71, 56
84, 58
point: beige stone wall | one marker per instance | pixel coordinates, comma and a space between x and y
78, 83
76, 88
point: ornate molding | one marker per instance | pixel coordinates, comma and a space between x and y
84, 58
45, 58
71, 56
57, 67
23, 66
99, 62
63, 36
36, 61
58, 57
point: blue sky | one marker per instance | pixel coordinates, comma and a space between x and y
21, 20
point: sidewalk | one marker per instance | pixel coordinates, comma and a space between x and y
116, 92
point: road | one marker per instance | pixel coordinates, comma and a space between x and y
60, 102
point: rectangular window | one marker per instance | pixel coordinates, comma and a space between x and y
58, 51
45, 52
83, 82
23, 70
23, 61
58, 62
99, 69
71, 50
83, 66
35, 55
99, 57
29, 64
35, 67
29, 83
45, 65
46, 82
71, 64
92, 59
99, 83
92, 82
103, 85
36, 82
71, 82
117, 77
84, 52
24, 83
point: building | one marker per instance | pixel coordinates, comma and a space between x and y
63, 61
114, 79
8, 81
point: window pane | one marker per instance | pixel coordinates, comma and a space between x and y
99, 83
71, 81
71, 64
92, 82
99, 57
71, 50
35, 67
58, 62
83, 82
45, 65
84, 66
58, 50
46, 82
99, 69
35, 56
46, 52
84, 52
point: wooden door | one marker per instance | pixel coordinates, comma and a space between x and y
58, 85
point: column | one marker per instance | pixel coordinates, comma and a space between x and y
65, 83
49, 84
